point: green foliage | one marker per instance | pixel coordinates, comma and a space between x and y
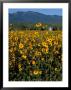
31, 26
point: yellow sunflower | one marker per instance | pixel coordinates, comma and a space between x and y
24, 56
21, 46
33, 62
36, 72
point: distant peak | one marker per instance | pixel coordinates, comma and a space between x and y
30, 11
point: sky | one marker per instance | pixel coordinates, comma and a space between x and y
43, 11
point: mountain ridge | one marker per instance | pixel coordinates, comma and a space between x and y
34, 17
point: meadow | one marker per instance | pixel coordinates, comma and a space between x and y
35, 55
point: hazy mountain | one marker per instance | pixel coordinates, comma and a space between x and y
34, 17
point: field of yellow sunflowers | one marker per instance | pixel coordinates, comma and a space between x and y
35, 55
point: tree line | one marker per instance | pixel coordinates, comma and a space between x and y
36, 26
